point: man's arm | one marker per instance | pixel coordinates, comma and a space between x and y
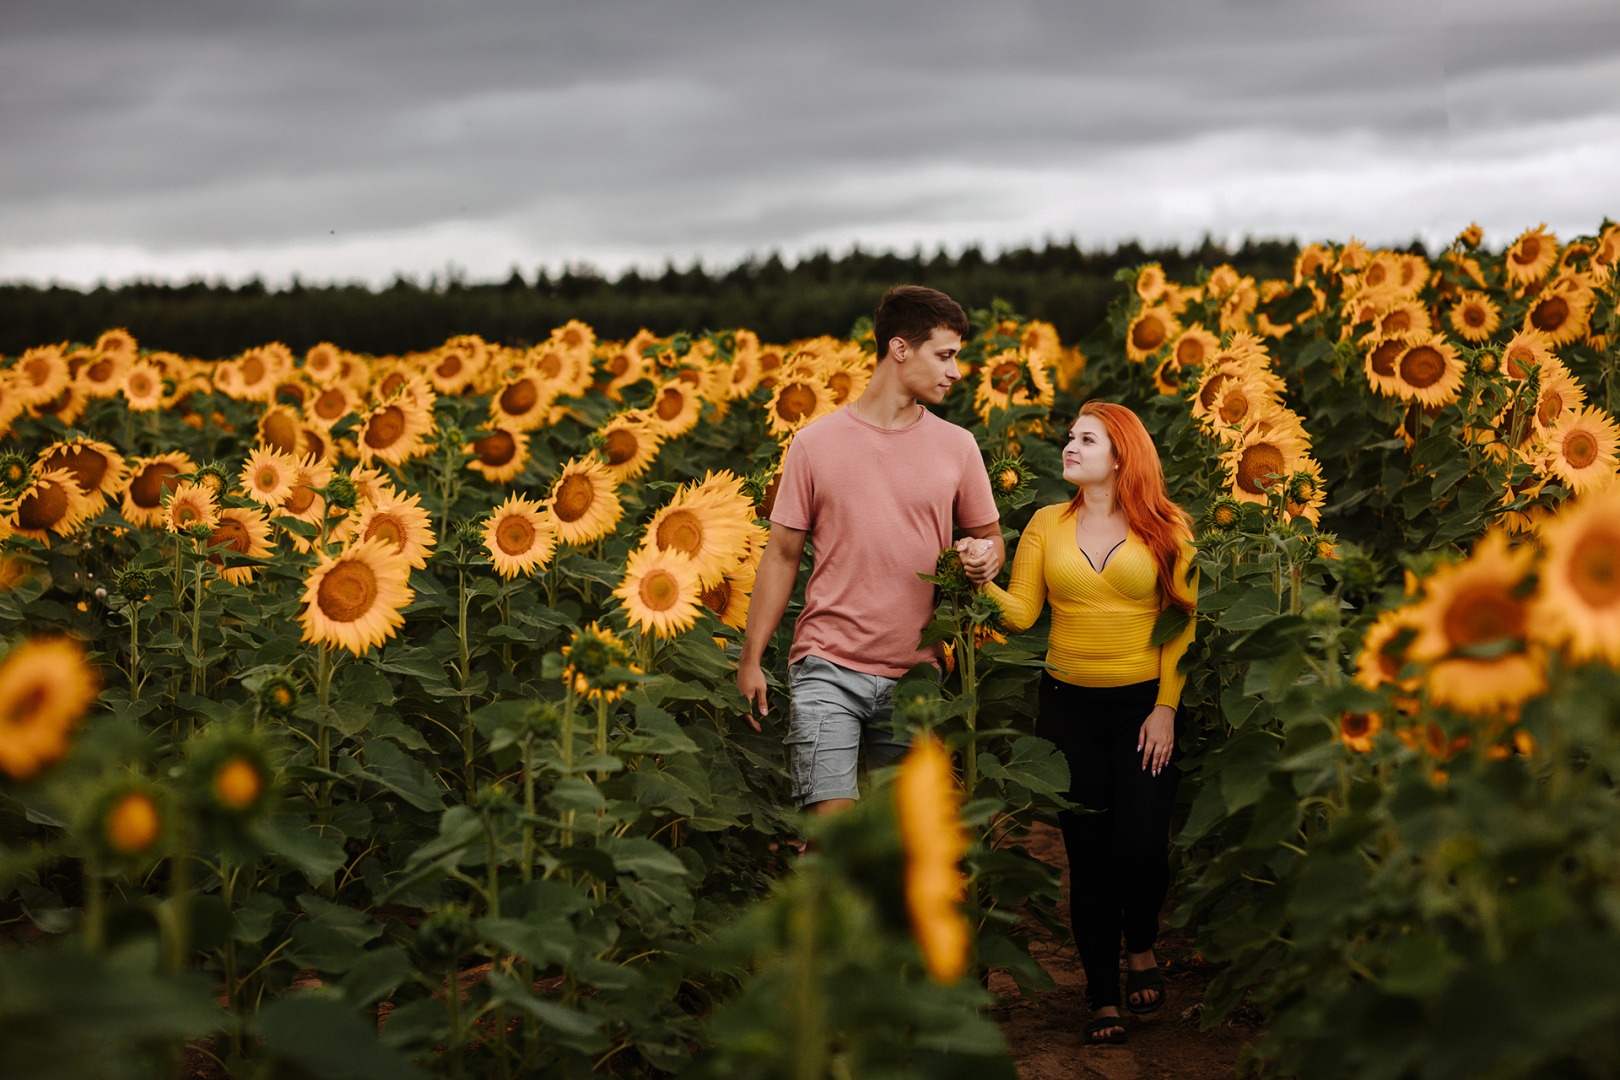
983, 561
773, 586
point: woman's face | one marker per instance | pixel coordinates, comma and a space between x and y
1089, 456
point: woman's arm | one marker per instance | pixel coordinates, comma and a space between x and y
1171, 680
1022, 599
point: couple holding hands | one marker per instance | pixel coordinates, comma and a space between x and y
879, 488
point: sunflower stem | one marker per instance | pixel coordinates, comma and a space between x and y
526, 868
95, 903
601, 733
323, 731
464, 670
970, 755
809, 1023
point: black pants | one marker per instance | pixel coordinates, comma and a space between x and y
1119, 867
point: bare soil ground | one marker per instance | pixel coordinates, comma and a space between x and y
1048, 1040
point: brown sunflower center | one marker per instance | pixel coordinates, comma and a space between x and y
620, 445
682, 530
300, 499
572, 338
1551, 314
840, 383
574, 497
1234, 405
280, 430
391, 384
520, 397
1376, 273
1527, 251
1170, 372
718, 597
1474, 315
43, 507
495, 449
39, 371
796, 401
1148, 333
253, 369
385, 428
659, 590
1422, 366
141, 384
617, 364
1482, 613
450, 366
186, 512
1396, 322
146, 491
1594, 568
1580, 449
515, 534
87, 465
348, 592
1207, 395
550, 365
1190, 352
389, 528
231, 534
267, 478
1254, 465
1550, 407
1004, 377
100, 371
670, 403
1355, 725
331, 405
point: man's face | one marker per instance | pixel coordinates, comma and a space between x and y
929, 369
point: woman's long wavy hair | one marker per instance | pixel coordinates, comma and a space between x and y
1139, 490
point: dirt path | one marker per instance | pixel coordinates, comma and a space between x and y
1048, 1040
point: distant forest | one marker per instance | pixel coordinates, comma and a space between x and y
820, 294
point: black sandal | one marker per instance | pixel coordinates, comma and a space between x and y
1095, 1029
1137, 982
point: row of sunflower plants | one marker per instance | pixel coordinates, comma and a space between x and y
1404, 687
374, 716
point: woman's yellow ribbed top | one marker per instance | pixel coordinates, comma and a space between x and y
1102, 622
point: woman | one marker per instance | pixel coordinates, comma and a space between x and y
1110, 560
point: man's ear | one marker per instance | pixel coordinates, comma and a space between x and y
897, 348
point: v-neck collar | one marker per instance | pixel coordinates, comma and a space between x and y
1106, 558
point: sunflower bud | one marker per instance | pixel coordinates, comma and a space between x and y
129, 820
1010, 476
452, 438
278, 696
15, 473
445, 935
213, 478
1224, 514
340, 492
951, 578
133, 584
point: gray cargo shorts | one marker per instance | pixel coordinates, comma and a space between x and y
833, 711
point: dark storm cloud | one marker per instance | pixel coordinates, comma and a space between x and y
174, 126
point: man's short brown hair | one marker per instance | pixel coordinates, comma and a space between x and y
912, 313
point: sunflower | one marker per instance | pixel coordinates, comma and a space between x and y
1194, 346
1379, 364
1240, 402
1236, 308
143, 387
1407, 318
522, 402
500, 455
520, 537
103, 373
1579, 602
1256, 455
1581, 449
1562, 316
41, 374
926, 802
1428, 371
1531, 256
660, 591
99, 469
1306, 496
1150, 283
597, 663
303, 502
319, 445
400, 520
1471, 236
323, 363
1475, 317
1149, 332
150, 479
454, 365
371, 485
728, 598
676, 406
1357, 730
1476, 603
190, 505
847, 380
629, 445
1167, 376
45, 687
1560, 394
53, 503
394, 432
710, 532
267, 476
332, 404
625, 366
242, 530
281, 428
253, 376
353, 600
795, 402
1526, 351
569, 372
1208, 391
584, 501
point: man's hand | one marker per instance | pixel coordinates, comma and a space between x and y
751, 684
978, 559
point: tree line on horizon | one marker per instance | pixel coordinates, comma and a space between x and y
1060, 283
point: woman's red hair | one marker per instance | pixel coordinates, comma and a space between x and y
1139, 490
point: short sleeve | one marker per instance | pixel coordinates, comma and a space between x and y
794, 492
975, 502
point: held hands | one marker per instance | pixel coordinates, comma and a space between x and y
1157, 738
978, 559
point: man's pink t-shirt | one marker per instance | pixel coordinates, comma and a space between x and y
879, 506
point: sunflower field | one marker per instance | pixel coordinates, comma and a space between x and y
373, 716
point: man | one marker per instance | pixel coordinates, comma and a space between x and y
876, 487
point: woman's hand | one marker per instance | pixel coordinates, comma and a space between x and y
978, 560
1157, 738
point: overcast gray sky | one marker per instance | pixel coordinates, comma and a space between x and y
350, 139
